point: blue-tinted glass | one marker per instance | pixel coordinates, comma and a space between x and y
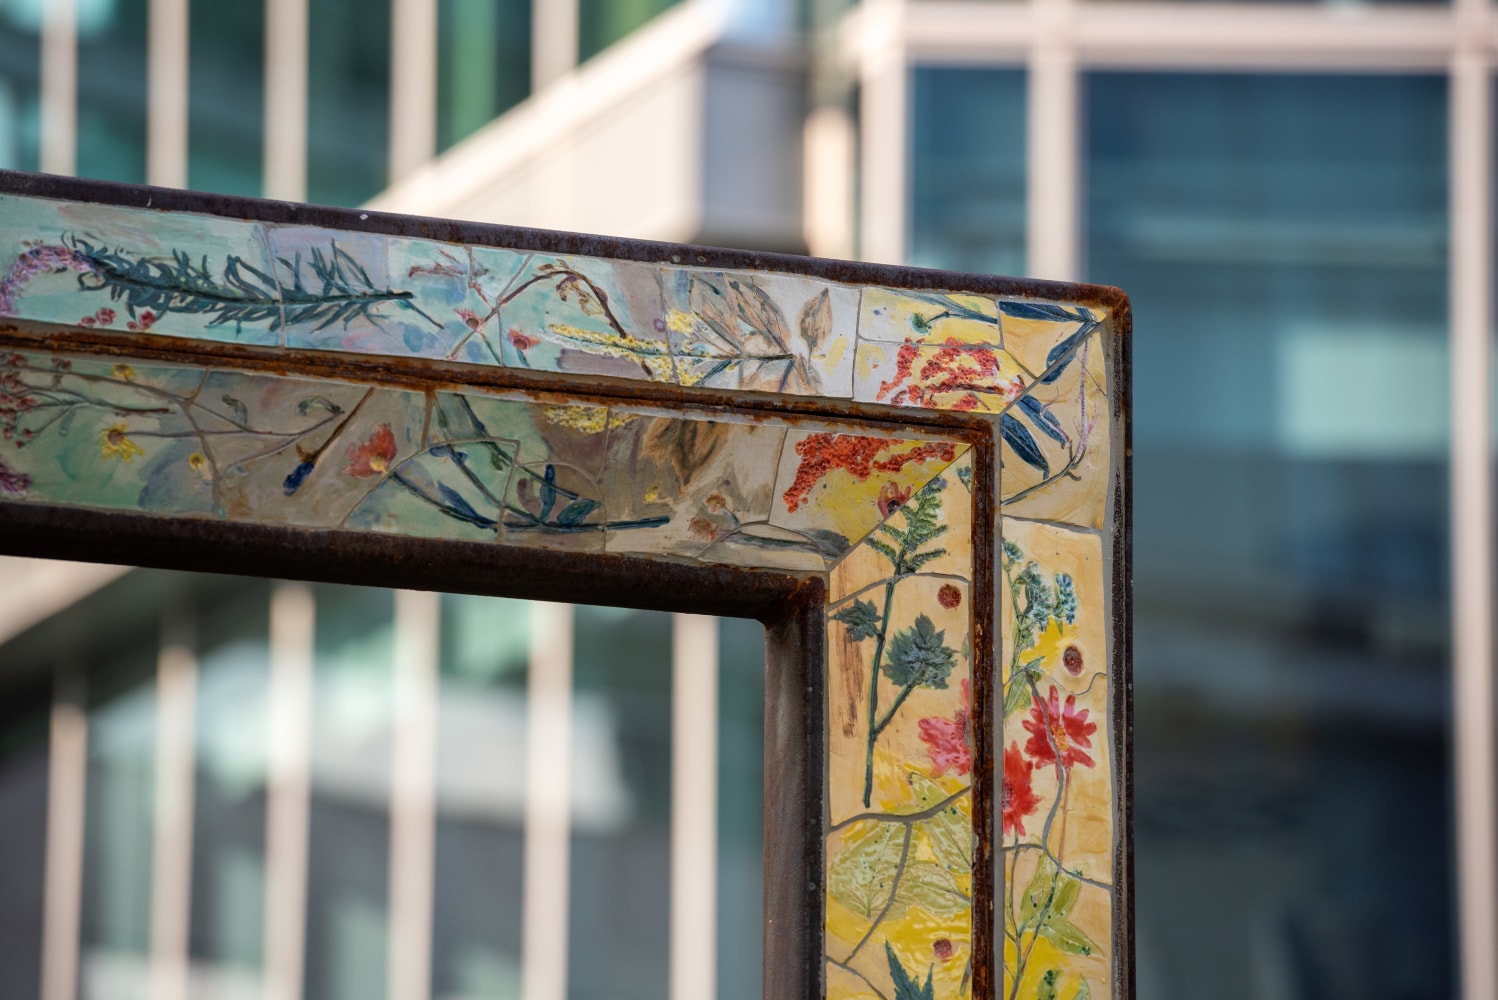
967, 170
619, 913
225, 100
112, 90
233, 732
601, 23
741, 809
20, 84
348, 111
484, 62
23, 835
1283, 239
481, 797
348, 861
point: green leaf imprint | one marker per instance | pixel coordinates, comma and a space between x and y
862, 619
919, 657
863, 873
906, 988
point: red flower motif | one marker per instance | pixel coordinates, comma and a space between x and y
105, 316
892, 498
1059, 735
1019, 800
701, 527
523, 342
821, 453
469, 319
948, 596
950, 367
942, 949
373, 457
946, 740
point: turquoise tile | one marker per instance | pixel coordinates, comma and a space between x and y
136, 270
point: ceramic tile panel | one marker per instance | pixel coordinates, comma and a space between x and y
1058, 803
552, 473
644, 449
137, 270
900, 851
1057, 442
764, 332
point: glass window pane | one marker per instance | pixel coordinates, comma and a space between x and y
226, 96
967, 169
233, 738
349, 840
348, 113
112, 90
1283, 239
601, 23
484, 63
20, 84
481, 796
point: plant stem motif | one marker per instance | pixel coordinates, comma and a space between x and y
1059, 737
733, 327
338, 288
463, 477
916, 656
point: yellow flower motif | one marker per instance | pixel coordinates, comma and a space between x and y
587, 419
653, 355
125, 372
198, 461
681, 322
117, 445
652, 494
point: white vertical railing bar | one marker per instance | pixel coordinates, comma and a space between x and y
548, 796
694, 807
883, 122
554, 26
413, 85
288, 792
413, 794
59, 87
166, 93
1052, 191
1472, 509
67, 785
828, 144
171, 830
285, 128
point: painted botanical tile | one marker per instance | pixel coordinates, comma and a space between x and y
1057, 445
900, 846
134, 270
847, 483
935, 351
588, 317
767, 332
706, 476
897, 316
1057, 823
1039, 334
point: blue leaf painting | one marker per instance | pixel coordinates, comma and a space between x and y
1043, 311
1017, 437
1042, 417
298, 476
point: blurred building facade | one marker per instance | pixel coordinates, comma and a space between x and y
1298, 197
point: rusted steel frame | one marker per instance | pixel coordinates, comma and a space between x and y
788, 604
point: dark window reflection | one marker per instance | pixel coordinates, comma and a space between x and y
226, 96
601, 23
967, 170
483, 63
348, 113
1283, 240
20, 85
112, 90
